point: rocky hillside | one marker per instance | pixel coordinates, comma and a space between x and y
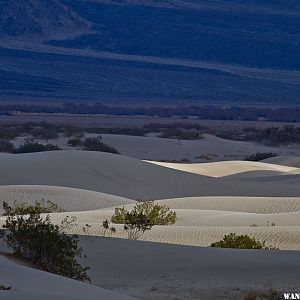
204, 51
39, 18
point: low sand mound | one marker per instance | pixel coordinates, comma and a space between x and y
225, 168
127, 177
28, 283
290, 161
209, 148
260, 205
69, 199
195, 217
282, 237
187, 217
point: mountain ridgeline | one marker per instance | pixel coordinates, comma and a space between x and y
202, 51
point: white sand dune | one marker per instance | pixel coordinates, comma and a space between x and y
28, 283
203, 220
291, 161
210, 148
225, 168
127, 177
202, 234
260, 205
69, 199
241, 195
196, 217
161, 271
158, 271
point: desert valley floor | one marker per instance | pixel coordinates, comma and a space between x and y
261, 199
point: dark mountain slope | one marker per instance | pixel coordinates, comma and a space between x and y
212, 51
39, 18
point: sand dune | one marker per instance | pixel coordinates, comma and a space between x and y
161, 271
203, 220
291, 161
127, 177
28, 283
260, 205
210, 200
225, 168
196, 217
210, 148
69, 199
158, 271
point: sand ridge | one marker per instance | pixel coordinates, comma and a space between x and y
201, 222
70, 199
23, 281
225, 168
129, 178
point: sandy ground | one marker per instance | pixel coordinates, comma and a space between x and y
134, 179
153, 271
210, 200
28, 283
160, 271
210, 148
68, 199
202, 221
285, 161
225, 168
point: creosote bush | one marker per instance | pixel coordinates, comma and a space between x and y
5, 288
39, 207
107, 228
271, 295
241, 242
30, 147
44, 244
143, 217
260, 156
96, 144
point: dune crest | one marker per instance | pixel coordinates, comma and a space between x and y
225, 168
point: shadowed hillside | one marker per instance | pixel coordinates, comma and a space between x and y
200, 51
38, 18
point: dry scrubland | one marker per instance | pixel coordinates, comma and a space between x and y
260, 199
150, 147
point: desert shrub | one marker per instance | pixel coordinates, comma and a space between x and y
107, 228
6, 146
251, 296
5, 288
143, 217
178, 133
260, 156
70, 131
96, 144
29, 147
74, 142
44, 133
44, 244
269, 223
39, 207
239, 241
9, 132
271, 295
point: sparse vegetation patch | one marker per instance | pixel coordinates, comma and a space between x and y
39, 207
48, 246
260, 156
143, 217
233, 240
